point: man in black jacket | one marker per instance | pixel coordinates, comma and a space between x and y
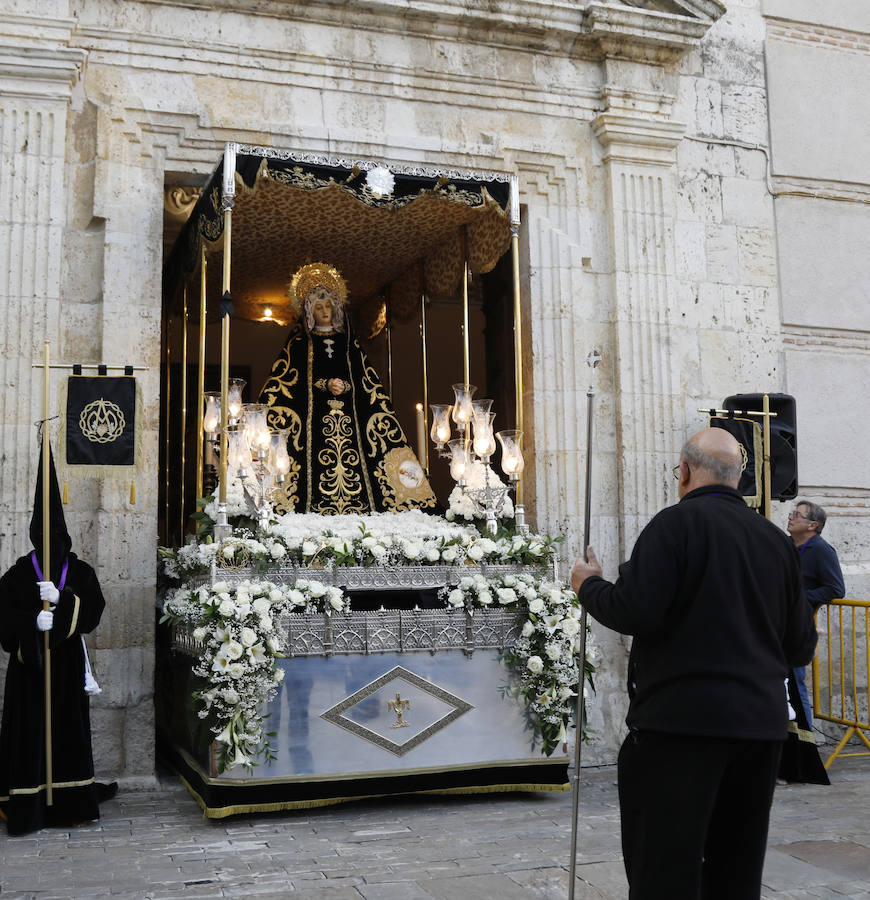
712, 594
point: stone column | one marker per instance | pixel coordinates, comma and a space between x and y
37, 75
639, 140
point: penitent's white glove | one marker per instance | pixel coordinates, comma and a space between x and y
45, 620
47, 591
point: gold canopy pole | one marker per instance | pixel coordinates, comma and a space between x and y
466, 356
389, 348
166, 431
425, 448
183, 415
222, 528
520, 517
200, 376
46, 566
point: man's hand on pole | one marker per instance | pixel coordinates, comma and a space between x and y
583, 569
45, 620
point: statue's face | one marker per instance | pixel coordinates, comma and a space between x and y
320, 301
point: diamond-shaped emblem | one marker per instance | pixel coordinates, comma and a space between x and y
398, 711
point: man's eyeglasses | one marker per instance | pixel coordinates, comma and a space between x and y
676, 470
794, 514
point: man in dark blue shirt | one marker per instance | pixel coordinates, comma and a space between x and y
823, 579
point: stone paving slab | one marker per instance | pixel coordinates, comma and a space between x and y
157, 846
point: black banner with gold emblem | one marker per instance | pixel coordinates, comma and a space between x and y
101, 420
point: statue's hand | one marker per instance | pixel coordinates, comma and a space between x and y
336, 386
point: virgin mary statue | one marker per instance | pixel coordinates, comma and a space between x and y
347, 449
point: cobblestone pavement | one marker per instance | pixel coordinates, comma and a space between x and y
155, 844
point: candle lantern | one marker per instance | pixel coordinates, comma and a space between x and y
211, 420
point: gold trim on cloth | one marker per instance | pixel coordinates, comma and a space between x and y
56, 785
75, 616
802, 733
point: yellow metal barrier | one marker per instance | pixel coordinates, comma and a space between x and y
841, 671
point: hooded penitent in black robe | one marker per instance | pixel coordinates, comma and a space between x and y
22, 733
348, 451
800, 761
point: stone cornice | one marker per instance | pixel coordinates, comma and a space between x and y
634, 139
557, 26
641, 34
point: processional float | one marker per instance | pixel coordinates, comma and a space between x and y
411, 694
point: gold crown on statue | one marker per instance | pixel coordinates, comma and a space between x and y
314, 275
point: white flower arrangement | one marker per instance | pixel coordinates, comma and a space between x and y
386, 539
236, 625
544, 659
477, 592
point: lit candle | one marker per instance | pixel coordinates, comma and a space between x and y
421, 435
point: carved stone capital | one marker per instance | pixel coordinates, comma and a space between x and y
44, 68
635, 139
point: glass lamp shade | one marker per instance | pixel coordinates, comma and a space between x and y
463, 411
440, 430
238, 452
211, 419
256, 428
512, 461
480, 408
234, 398
279, 459
459, 459
484, 440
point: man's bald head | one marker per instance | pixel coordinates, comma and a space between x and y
713, 456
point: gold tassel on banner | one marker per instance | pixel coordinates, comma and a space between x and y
65, 498
132, 493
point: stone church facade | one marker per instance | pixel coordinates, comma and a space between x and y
694, 200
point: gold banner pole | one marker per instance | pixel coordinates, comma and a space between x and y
183, 416
520, 510
200, 376
46, 566
765, 406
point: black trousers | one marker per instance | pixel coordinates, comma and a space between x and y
694, 814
